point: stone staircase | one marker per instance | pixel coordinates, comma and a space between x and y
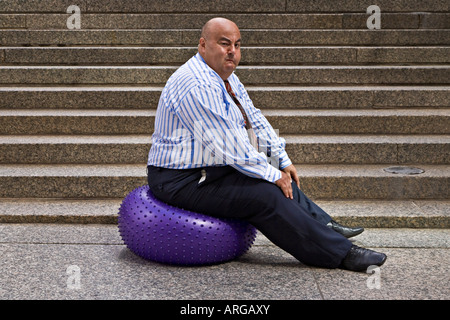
77, 106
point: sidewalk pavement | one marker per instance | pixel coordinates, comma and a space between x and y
90, 261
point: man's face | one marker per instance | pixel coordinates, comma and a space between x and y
221, 48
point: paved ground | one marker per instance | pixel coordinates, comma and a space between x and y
65, 262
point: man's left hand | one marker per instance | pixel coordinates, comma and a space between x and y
292, 172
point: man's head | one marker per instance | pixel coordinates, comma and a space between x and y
220, 46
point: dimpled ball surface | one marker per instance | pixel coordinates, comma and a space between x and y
163, 233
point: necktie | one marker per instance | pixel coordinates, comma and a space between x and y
231, 93
248, 125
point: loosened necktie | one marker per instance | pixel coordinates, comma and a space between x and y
248, 125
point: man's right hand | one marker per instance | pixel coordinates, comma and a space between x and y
285, 184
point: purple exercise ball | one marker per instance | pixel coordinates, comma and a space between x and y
163, 233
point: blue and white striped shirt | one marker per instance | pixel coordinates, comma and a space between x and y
198, 124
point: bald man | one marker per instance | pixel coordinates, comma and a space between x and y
213, 152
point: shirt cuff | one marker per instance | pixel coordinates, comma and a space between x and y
284, 160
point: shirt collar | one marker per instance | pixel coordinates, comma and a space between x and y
199, 57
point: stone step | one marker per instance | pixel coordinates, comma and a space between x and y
367, 213
251, 37
363, 121
279, 55
354, 149
147, 97
343, 75
316, 149
220, 6
323, 181
336, 20
249, 75
345, 121
345, 97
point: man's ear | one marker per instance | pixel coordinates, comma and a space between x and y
202, 45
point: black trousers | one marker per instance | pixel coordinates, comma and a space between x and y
297, 226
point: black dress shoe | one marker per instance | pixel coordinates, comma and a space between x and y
359, 259
345, 231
